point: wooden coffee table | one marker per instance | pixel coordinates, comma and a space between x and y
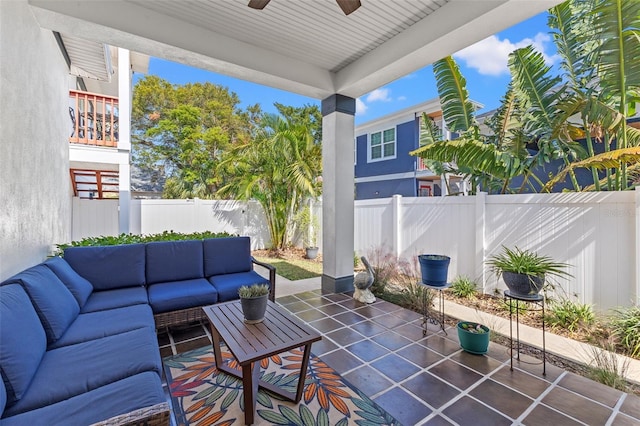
251, 343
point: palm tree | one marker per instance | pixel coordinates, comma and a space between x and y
598, 42
279, 168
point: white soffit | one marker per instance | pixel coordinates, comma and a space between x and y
305, 46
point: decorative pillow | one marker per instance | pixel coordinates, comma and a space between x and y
227, 255
22, 339
54, 303
174, 261
78, 286
109, 267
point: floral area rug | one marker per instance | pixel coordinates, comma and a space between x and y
201, 395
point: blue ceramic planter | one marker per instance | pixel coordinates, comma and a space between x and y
434, 269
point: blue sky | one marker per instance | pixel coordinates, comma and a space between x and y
484, 65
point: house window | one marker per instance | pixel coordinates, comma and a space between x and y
382, 145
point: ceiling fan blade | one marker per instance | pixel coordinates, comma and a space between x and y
258, 4
349, 6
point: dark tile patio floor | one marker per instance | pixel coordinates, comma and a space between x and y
429, 380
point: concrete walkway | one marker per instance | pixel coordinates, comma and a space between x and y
555, 344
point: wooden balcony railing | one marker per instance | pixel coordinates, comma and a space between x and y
94, 119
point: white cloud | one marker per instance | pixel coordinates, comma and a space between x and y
379, 95
361, 107
402, 98
490, 56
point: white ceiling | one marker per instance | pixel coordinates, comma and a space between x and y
305, 46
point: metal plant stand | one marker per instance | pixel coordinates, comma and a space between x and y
428, 314
537, 300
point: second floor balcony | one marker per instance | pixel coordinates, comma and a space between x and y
94, 119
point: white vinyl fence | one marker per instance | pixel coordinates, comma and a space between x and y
598, 234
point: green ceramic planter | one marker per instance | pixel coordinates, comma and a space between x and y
474, 337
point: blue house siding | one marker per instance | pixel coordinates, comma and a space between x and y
406, 141
386, 188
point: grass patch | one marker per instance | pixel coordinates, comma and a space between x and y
294, 269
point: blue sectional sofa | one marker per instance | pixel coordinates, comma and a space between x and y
78, 338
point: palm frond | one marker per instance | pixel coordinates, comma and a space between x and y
607, 160
457, 109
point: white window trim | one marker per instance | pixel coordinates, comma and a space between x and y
395, 145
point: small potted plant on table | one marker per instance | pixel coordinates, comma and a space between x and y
253, 299
525, 272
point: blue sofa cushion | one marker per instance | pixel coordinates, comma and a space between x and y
109, 267
227, 255
22, 341
174, 261
165, 297
54, 303
131, 393
228, 284
118, 298
3, 396
95, 325
72, 370
78, 286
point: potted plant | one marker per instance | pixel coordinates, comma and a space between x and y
524, 271
434, 269
253, 299
308, 227
474, 337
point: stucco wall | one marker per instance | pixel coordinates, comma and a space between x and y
35, 190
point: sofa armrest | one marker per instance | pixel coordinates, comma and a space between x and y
272, 277
155, 415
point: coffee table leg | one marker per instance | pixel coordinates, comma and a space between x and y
250, 380
215, 336
303, 372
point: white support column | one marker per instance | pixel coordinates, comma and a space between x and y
125, 95
397, 225
338, 133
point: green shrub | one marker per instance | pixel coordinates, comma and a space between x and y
625, 325
515, 306
464, 287
570, 315
134, 239
606, 368
417, 297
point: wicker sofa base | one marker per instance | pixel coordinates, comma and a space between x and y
155, 415
183, 316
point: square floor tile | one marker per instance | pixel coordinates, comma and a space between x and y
431, 390
369, 311
383, 305
332, 309
345, 336
326, 325
420, 355
631, 406
388, 320
395, 367
368, 380
341, 361
368, 328
577, 406
624, 420
318, 301
311, 315
407, 315
520, 381
468, 411
297, 306
285, 300
503, 399
391, 340
337, 297
543, 415
590, 389
455, 374
403, 407
323, 346
411, 332
349, 318
440, 344
367, 350
480, 363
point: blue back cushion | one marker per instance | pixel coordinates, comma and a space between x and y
227, 255
22, 340
54, 303
174, 261
78, 286
109, 267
